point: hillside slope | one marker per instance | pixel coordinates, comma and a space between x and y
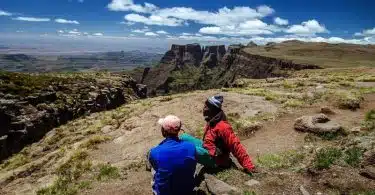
322, 54
104, 153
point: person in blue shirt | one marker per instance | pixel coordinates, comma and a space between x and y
173, 161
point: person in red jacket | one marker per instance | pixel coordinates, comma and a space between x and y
219, 138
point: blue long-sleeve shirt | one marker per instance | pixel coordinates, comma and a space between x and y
174, 163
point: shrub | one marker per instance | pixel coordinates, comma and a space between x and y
106, 171
325, 157
353, 156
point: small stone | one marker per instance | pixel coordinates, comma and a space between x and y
107, 129
326, 110
319, 87
303, 190
355, 130
319, 193
216, 186
252, 182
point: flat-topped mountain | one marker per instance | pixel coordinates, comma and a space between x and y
191, 66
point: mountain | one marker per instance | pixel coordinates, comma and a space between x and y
111, 61
322, 54
187, 67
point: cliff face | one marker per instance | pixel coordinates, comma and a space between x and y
31, 105
211, 66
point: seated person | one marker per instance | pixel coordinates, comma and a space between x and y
173, 161
219, 140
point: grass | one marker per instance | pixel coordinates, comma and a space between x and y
345, 99
94, 141
68, 175
293, 103
15, 161
106, 172
353, 156
233, 176
325, 157
282, 160
369, 121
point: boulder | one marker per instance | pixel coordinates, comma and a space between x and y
326, 110
218, 187
368, 158
318, 124
368, 172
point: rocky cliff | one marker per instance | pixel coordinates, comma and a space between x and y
187, 67
31, 105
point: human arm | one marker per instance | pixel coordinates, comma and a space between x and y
237, 149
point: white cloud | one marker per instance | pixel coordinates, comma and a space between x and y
127, 23
186, 34
74, 32
367, 32
280, 21
310, 27
142, 31
177, 16
247, 28
32, 19
97, 34
222, 17
64, 21
162, 32
4, 13
154, 20
151, 34
61, 31
265, 10
128, 5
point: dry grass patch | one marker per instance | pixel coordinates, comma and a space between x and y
286, 159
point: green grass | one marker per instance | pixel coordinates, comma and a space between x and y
353, 156
293, 103
282, 160
15, 161
94, 141
68, 175
107, 172
325, 157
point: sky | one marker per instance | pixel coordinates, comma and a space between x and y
139, 24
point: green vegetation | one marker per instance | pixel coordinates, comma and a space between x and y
283, 160
233, 176
249, 193
353, 156
107, 172
369, 122
15, 161
325, 157
93, 141
68, 175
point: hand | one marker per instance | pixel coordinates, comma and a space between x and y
252, 171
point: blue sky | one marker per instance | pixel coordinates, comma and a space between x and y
209, 21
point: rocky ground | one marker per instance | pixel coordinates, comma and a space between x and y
33, 104
312, 133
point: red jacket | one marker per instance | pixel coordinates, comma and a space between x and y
219, 139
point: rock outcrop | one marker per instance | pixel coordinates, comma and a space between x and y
25, 117
209, 67
318, 124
